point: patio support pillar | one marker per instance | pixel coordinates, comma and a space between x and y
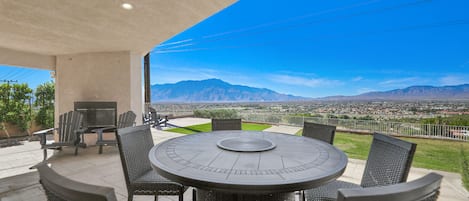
146, 70
103, 76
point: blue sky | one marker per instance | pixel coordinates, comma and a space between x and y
319, 48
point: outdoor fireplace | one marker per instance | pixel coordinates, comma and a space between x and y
97, 114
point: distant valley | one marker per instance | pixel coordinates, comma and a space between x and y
215, 90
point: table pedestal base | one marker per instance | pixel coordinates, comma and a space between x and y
204, 195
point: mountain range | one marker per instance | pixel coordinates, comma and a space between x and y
457, 92
215, 90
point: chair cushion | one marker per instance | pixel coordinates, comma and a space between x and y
329, 191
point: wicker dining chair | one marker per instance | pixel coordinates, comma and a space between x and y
60, 188
426, 188
322, 132
389, 162
226, 124
134, 145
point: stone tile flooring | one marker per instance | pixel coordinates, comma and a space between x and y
105, 169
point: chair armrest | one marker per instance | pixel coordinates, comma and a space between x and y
45, 131
101, 130
417, 189
66, 187
42, 134
80, 130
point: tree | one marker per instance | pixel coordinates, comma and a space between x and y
317, 115
344, 116
14, 104
457, 120
367, 117
45, 101
4, 99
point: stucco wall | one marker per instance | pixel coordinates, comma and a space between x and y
106, 76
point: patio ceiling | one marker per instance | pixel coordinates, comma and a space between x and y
59, 27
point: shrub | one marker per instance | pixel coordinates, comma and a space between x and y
217, 114
14, 104
45, 101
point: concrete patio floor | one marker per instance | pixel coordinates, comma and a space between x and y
105, 169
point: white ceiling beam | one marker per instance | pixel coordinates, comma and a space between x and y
26, 59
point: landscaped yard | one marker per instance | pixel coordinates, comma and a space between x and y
451, 156
432, 154
208, 127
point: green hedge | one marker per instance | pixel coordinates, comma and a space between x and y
14, 104
216, 114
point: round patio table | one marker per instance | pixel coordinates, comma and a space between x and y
247, 165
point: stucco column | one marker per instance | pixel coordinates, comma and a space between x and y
104, 76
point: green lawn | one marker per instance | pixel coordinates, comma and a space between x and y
355, 146
192, 129
451, 156
208, 127
432, 154
439, 154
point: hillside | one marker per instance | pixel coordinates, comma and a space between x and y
458, 92
214, 90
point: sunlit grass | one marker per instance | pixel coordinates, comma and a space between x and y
439, 154
355, 146
465, 167
432, 154
192, 129
254, 127
445, 155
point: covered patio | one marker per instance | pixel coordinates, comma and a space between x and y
106, 170
94, 50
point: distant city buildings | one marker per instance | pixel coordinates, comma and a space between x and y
376, 109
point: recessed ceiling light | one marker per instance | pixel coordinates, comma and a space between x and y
127, 6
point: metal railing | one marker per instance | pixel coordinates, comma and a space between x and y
369, 126
353, 125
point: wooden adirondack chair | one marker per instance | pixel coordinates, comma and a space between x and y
69, 130
155, 119
126, 119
